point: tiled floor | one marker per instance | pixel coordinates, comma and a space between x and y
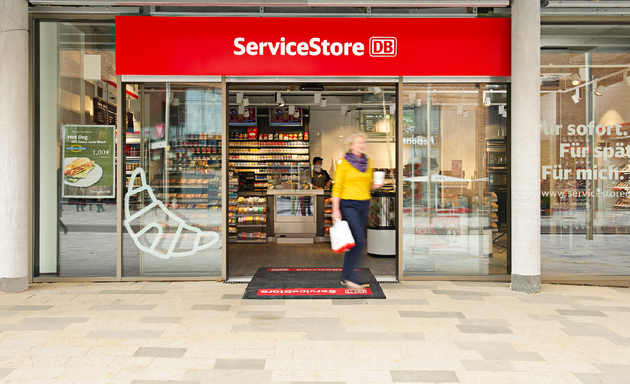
424, 332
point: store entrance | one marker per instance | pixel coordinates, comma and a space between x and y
284, 142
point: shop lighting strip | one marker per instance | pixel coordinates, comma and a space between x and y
84, 10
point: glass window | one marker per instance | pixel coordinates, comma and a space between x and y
75, 160
585, 162
455, 179
173, 203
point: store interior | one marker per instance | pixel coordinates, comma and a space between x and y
277, 217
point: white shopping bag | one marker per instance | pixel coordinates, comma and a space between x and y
340, 237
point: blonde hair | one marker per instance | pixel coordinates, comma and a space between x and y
349, 140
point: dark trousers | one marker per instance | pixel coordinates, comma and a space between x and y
355, 212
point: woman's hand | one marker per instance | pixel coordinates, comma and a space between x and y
336, 212
376, 186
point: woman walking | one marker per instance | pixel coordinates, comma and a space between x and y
351, 200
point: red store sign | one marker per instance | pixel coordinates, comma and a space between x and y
274, 46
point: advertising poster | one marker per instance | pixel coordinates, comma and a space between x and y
88, 161
281, 116
236, 119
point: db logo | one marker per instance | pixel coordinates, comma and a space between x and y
382, 46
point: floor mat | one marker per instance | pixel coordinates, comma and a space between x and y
309, 283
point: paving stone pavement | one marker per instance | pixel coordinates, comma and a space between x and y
202, 332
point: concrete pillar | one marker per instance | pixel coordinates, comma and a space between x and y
14, 146
525, 147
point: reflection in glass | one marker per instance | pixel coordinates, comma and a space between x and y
77, 207
454, 180
174, 220
295, 205
585, 164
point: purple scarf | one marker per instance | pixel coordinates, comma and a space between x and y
359, 163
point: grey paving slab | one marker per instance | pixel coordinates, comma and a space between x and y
495, 366
399, 302
5, 371
601, 378
466, 298
459, 293
588, 329
392, 286
31, 308
244, 376
314, 320
253, 328
494, 322
349, 301
587, 298
51, 319
571, 312
432, 314
614, 369
622, 290
124, 334
407, 286
343, 336
261, 302
489, 284
149, 292
158, 320
232, 296
160, 352
511, 356
484, 346
488, 329
623, 309
7, 313
311, 328
416, 336
273, 321
240, 364
424, 377
262, 314
142, 307
117, 292
211, 307
33, 327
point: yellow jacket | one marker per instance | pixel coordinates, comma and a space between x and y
352, 184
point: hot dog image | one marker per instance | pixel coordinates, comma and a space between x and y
78, 169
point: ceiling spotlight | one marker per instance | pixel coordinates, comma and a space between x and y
317, 98
460, 109
322, 102
501, 109
279, 100
575, 79
487, 101
504, 114
378, 92
239, 97
291, 109
465, 113
344, 109
246, 102
176, 102
576, 97
600, 90
241, 109
296, 113
246, 113
418, 102
583, 74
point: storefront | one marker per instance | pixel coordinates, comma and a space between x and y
161, 135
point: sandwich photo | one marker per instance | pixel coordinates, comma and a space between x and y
78, 169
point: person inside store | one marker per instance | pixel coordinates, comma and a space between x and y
321, 178
351, 201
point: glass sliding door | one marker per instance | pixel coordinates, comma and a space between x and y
173, 202
455, 179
